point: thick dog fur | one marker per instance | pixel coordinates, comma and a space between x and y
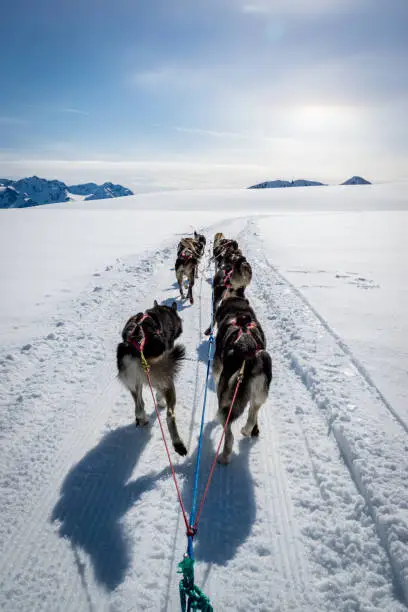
217, 237
230, 280
189, 253
224, 251
158, 332
186, 265
240, 338
196, 245
201, 240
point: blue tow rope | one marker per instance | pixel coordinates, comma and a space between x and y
200, 439
191, 597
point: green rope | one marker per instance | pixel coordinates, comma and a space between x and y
190, 594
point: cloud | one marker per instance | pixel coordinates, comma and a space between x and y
173, 76
305, 8
301, 157
256, 9
245, 136
73, 111
213, 133
150, 175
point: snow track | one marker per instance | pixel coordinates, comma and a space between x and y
371, 438
299, 521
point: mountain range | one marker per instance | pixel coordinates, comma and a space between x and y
355, 180
34, 191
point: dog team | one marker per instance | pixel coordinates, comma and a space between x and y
239, 339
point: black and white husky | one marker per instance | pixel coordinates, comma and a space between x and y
240, 339
189, 253
153, 333
229, 281
186, 265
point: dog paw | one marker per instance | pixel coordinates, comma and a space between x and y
246, 432
255, 431
180, 449
161, 402
141, 421
224, 459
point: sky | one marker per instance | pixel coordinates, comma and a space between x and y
205, 93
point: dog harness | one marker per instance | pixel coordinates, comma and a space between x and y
227, 279
246, 329
186, 255
131, 327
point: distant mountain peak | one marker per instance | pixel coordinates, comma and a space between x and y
34, 191
279, 184
356, 180
92, 191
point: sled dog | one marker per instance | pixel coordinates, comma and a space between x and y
240, 340
154, 333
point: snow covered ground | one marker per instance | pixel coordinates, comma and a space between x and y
312, 516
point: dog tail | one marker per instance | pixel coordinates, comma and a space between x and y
172, 360
123, 349
264, 363
259, 368
256, 363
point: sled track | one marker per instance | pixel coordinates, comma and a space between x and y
370, 435
31, 519
344, 347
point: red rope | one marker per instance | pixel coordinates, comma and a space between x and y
207, 486
192, 530
183, 510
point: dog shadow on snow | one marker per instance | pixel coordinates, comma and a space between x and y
96, 494
229, 511
94, 497
181, 305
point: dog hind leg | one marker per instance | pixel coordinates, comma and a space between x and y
225, 456
216, 369
251, 426
191, 278
160, 399
259, 393
140, 414
179, 277
170, 395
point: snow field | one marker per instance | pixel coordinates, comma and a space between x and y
312, 516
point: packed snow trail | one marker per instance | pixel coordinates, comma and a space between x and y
90, 518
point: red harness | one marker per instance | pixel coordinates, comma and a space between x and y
132, 328
186, 255
227, 279
247, 330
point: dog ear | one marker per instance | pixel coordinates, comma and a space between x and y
174, 306
195, 234
155, 303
